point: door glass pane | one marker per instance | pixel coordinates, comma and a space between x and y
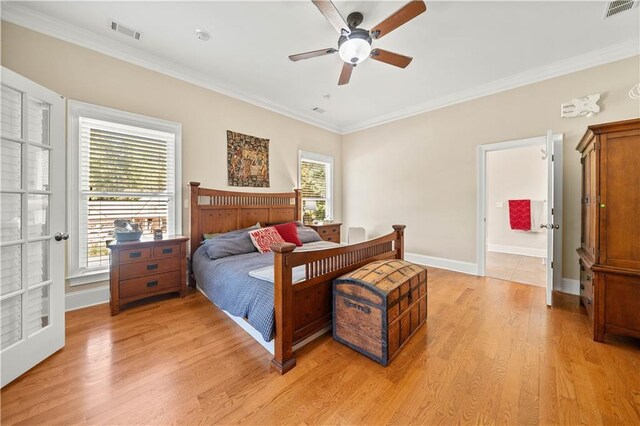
38, 121
38, 262
38, 215
10, 209
10, 321
10, 268
38, 178
37, 309
10, 164
11, 113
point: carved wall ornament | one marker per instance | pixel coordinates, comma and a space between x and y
581, 107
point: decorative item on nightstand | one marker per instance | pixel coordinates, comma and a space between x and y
310, 207
140, 269
125, 230
328, 231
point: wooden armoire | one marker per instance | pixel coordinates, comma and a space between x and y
610, 247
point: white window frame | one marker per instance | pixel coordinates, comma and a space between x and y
319, 158
75, 110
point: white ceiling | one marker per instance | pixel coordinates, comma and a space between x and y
460, 49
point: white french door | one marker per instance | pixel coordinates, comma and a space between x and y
32, 210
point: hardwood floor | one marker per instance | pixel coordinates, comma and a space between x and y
490, 352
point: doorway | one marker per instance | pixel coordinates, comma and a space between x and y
516, 178
519, 247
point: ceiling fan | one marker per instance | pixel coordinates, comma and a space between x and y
354, 44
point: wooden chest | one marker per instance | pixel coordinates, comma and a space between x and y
378, 307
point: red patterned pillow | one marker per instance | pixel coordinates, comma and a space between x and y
289, 232
263, 238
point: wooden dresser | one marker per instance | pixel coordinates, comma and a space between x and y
610, 242
145, 268
328, 231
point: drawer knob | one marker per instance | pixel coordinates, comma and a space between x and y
167, 250
581, 286
153, 283
135, 254
152, 267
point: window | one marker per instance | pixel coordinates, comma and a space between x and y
123, 166
315, 179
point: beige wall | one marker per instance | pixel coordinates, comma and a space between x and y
81, 74
421, 171
518, 173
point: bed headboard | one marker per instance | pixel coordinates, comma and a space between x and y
216, 211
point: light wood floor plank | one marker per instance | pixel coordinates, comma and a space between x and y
491, 352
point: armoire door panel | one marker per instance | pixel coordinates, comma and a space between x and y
621, 200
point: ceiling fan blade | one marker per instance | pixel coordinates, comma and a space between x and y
327, 8
312, 54
345, 74
400, 17
391, 58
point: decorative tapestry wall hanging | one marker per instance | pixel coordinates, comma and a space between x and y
247, 160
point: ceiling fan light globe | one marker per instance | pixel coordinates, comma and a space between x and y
355, 50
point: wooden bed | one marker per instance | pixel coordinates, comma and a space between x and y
304, 308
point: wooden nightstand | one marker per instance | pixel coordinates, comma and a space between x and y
328, 231
145, 268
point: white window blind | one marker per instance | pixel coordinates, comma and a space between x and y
315, 183
126, 172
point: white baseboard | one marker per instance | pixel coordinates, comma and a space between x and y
522, 251
570, 286
85, 298
439, 262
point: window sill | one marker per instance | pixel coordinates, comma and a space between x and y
88, 278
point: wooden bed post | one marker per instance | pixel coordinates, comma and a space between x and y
399, 240
298, 214
195, 227
283, 359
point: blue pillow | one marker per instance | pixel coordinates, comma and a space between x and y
230, 244
307, 235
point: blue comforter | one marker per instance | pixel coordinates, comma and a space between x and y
227, 283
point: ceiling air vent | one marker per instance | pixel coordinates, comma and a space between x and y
122, 29
615, 7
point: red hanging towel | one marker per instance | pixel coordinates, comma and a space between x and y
520, 215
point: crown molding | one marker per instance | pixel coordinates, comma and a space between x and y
36, 21
567, 66
25, 17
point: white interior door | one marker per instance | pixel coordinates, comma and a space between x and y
554, 214
32, 209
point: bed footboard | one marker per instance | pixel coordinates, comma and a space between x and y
304, 308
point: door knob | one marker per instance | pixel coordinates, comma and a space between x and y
550, 226
59, 236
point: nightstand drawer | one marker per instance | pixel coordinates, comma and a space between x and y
166, 251
149, 267
328, 230
133, 255
149, 285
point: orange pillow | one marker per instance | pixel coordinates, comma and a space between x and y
263, 238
